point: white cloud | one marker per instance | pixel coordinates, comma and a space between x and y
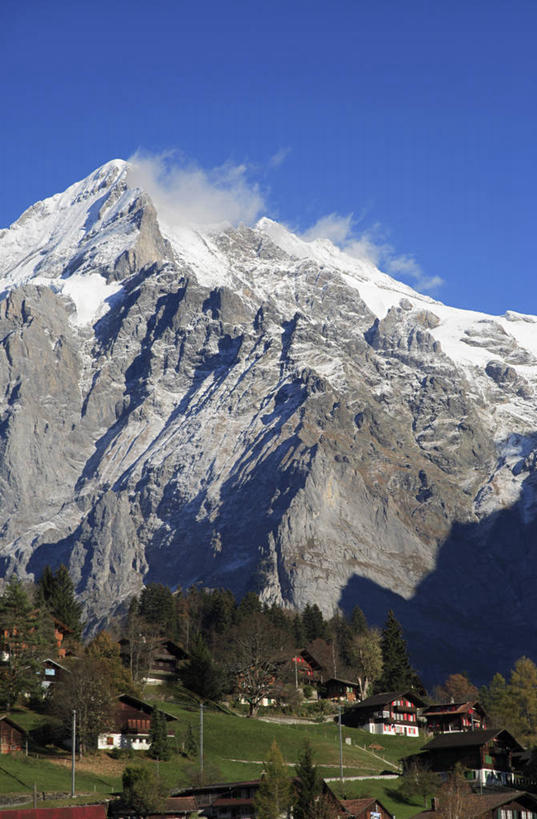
279, 157
186, 194
370, 245
335, 227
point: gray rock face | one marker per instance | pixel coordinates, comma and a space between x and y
250, 410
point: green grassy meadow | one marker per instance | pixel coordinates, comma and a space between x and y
234, 749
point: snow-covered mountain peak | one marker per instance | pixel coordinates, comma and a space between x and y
257, 410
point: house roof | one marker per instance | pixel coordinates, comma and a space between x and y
15, 725
180, 803
386, 697
219, 786
341, 680
143, 706
450, 708
356, 806
479, 804
56, 663
460, 739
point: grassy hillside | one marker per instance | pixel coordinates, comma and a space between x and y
234, 748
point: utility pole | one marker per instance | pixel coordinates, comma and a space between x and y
201, 742
340, 745
73, 758
296, 672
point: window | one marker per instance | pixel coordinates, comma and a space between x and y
109, 740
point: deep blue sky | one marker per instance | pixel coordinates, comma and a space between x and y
420, 116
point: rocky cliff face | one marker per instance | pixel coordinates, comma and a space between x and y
247, 409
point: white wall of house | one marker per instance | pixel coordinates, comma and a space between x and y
392, 730
111, 739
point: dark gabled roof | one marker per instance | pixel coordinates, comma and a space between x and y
56, 663
386, 697
480, 804
16, 726
341, 680
218, 786
447, 708
465, 739
146, 707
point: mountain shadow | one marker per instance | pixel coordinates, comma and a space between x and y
476, 611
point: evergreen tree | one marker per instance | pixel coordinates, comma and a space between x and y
141, 791
200, 674
496, 701
397, 673
248, 606
358, 621
57, 592
307, 785
157, 606
159, 747
313, 623
274, 793
190, 746
26, 638
299, 637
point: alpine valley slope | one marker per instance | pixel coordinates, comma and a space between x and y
247, 409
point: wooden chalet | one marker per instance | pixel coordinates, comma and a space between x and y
340, 690
454, 716
498, 805
52, 672
130, 725
390, 713
225, 800
365, 807
12, 736
489, 756
165, 661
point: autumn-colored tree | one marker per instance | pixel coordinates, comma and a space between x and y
273, 796
367, 659
256, 651
455, 797
105, 650
523, 695
88, 690
419, 781
456, 688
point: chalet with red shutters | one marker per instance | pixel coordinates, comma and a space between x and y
391, 713
130, 725
454, 716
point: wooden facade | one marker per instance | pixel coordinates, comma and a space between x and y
500, 805
488, 756
12, 736
131, 725
338, 689
454, 716
390, 713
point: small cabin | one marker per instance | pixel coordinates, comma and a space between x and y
131, 725
12, 736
